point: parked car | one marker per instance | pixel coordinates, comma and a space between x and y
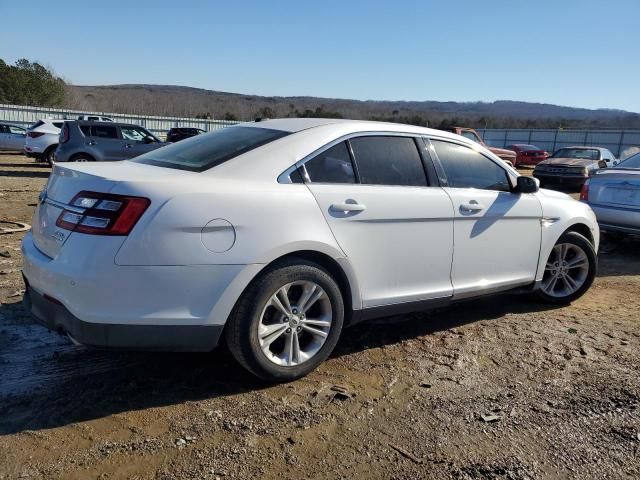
506, 155
571, 166
614, 196
280, 233
103, 141
42, 139
94, 118
528, 154
12, 137
180, 133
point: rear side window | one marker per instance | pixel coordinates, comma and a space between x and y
388, 161
466, 168
203, 152
102, 131
331, 166
58, 124
86, 130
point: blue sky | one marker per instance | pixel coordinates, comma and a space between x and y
570, 52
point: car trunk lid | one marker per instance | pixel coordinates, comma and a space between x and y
65, 182
615, 188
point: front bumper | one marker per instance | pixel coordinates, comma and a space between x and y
559, 179
183, 338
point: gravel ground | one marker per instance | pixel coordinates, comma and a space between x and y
499, 388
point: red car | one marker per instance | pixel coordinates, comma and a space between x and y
528, 154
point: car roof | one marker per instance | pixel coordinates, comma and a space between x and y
588, 147
111, 124
294, 125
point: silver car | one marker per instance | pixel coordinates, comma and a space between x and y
12, 137
614, 196
88, 141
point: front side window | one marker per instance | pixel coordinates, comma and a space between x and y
331, 166
470, 136
134, 134
466, 168
388, 160
203, 152
16, 130
102, 131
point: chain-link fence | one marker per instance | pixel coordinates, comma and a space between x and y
25, 116
620, 142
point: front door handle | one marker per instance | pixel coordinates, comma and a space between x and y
472, 206
128, 145
348, 207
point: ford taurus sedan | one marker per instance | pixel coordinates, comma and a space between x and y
277, 234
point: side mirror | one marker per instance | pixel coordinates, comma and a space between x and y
527, 185
149, 139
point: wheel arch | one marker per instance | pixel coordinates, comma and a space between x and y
338, 267
583, 230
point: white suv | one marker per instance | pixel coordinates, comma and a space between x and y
42, 139
277, 234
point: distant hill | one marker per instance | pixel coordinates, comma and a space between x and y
187, 101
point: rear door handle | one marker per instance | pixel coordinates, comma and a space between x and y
348, 207
472, 206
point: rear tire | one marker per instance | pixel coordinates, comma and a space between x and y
49, 155
267, 331
82, 157
569, 271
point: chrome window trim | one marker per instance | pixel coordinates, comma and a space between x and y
284, 177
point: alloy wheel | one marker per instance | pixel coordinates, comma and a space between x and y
295, 323
566, 271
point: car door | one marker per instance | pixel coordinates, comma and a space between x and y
3, 137
497, 233
106, 140
134, 141
394, 228
15, 137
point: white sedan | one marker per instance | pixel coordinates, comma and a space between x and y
276, 234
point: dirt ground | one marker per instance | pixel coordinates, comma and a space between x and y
498, 388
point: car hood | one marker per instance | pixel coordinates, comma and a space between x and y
570, 162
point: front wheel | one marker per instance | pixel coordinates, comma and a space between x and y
569, 271
287, 322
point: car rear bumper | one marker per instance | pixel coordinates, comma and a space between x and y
54, 316
102, 304
617, 219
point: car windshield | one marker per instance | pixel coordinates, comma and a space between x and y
203, 152
526, 148
585, 153
631, 162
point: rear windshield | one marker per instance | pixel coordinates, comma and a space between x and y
203, 152
631, 162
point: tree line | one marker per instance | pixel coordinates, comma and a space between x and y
29, 83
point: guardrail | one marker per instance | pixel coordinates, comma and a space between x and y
550, 140
27, 115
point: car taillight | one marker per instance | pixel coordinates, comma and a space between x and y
34, 134
64, 134
584, 191
103, 214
